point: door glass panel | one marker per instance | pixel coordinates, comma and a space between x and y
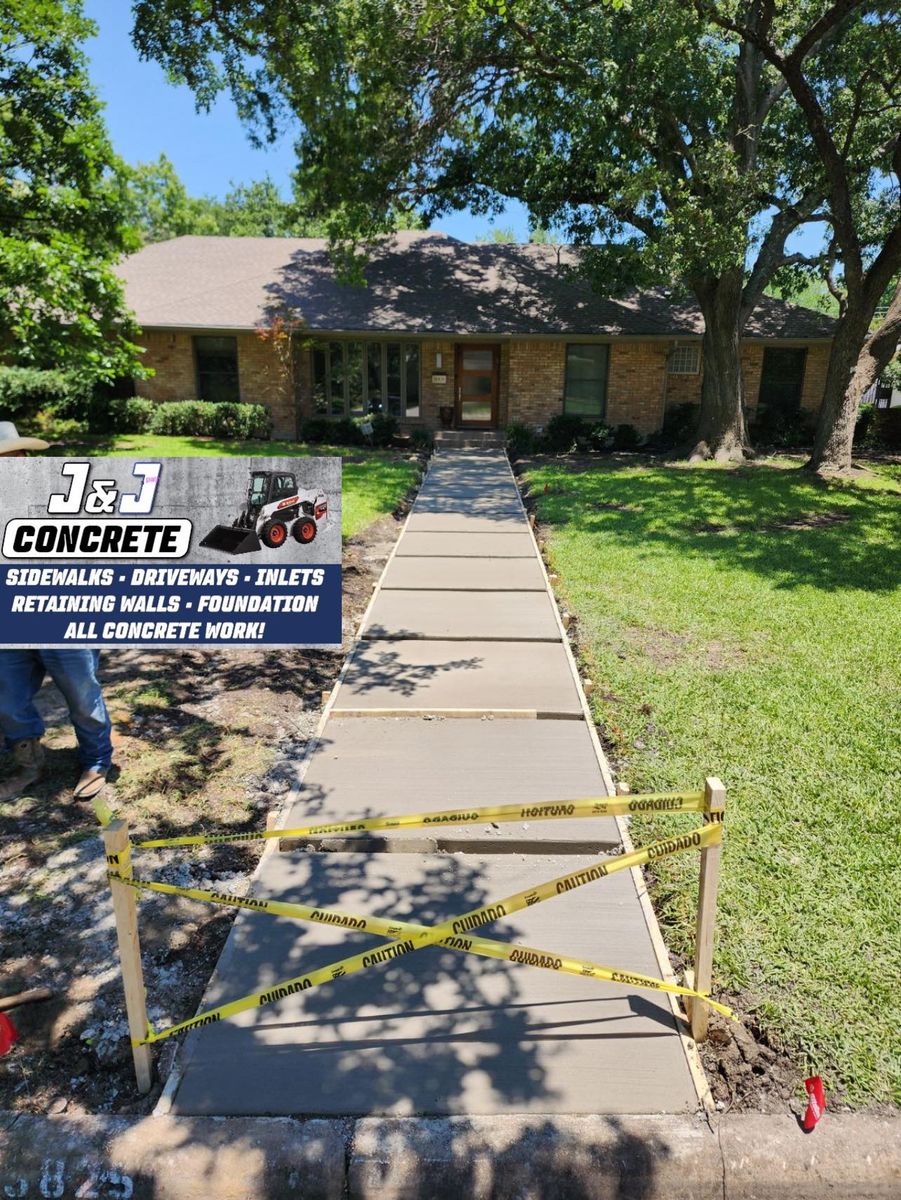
475, 410
477, 385
478, 360
355, 377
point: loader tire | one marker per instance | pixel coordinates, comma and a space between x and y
274, 534
304, 530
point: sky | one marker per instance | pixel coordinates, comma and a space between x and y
148, 116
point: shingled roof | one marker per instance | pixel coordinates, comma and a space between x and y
419, 282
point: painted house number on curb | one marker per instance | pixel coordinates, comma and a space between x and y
83, 1182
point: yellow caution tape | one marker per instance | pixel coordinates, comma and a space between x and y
709, 835
104, 813
675, 802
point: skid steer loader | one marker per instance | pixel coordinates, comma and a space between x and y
276, 509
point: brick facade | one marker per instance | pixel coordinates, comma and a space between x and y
531, 377
262, 376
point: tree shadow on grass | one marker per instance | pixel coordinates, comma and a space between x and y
785, 525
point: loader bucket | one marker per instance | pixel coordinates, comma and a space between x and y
231, 540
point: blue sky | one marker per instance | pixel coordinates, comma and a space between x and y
148, 116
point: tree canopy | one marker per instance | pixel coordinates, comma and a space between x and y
62, 204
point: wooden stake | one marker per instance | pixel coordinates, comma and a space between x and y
715, 797
125, 909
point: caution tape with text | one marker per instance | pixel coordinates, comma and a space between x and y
452, 933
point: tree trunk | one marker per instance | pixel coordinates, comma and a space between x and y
722, 433
855, 363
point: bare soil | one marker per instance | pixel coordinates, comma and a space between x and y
203, 739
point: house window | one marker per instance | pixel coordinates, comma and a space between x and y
356, 378
684, 360
216, 361
585, 393
781, 380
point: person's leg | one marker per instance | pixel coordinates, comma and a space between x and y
21, 675
75, 674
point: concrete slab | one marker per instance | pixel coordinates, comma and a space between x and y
437, 1032
496, 544
384, 766
479, 676
465, 574
453, 521
463, 616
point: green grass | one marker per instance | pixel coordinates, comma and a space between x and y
373, 480
722, 644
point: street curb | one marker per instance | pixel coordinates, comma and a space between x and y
741, 1157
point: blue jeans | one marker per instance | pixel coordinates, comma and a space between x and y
75, 674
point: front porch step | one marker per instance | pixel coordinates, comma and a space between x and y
470, 439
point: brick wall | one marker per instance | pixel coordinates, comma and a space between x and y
635, 387
535, 377
262, 377
531, 379
814, 377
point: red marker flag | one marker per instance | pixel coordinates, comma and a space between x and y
815, 1104
8, 1034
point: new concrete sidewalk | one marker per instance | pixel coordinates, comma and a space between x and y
461, 691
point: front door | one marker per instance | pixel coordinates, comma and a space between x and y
477, 385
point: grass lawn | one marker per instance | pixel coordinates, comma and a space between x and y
373, 480
745, 623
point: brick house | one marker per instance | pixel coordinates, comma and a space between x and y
444, 332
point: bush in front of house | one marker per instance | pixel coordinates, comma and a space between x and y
885, 432
626, 437
680, 423
521, 438
421, 439
792, 430
863, 426
201, 418
26, 391
325, 431
130, 415
564, 432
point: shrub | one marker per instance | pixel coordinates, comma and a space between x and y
521, 438
421, 439
200, 418
679, 425
886, 428
863, 426
317, 430
384, 428
563, 432
320, 431
599, 437
626, 437
783, 430
26, 391
133, 415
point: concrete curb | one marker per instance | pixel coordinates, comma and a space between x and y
743, 1157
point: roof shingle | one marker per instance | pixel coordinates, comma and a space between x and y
419, 282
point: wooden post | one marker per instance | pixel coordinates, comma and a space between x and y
715, 798
125, 910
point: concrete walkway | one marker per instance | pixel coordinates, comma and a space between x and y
461, 690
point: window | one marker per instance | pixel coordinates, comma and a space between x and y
684, 360
585, 392
781, 380
355, 378
216, 360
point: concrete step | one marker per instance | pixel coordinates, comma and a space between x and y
470, 439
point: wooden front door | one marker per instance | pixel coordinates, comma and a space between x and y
477, 376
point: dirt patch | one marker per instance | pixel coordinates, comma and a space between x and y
811, 520
666, 649
202, 739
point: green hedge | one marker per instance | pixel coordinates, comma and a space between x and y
26, 391
200, 418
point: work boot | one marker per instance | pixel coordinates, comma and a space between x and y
91, 782
26, 766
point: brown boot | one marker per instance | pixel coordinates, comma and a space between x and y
26, 767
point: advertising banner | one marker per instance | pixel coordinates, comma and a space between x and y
171, 551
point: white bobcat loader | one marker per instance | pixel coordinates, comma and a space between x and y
276, 509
